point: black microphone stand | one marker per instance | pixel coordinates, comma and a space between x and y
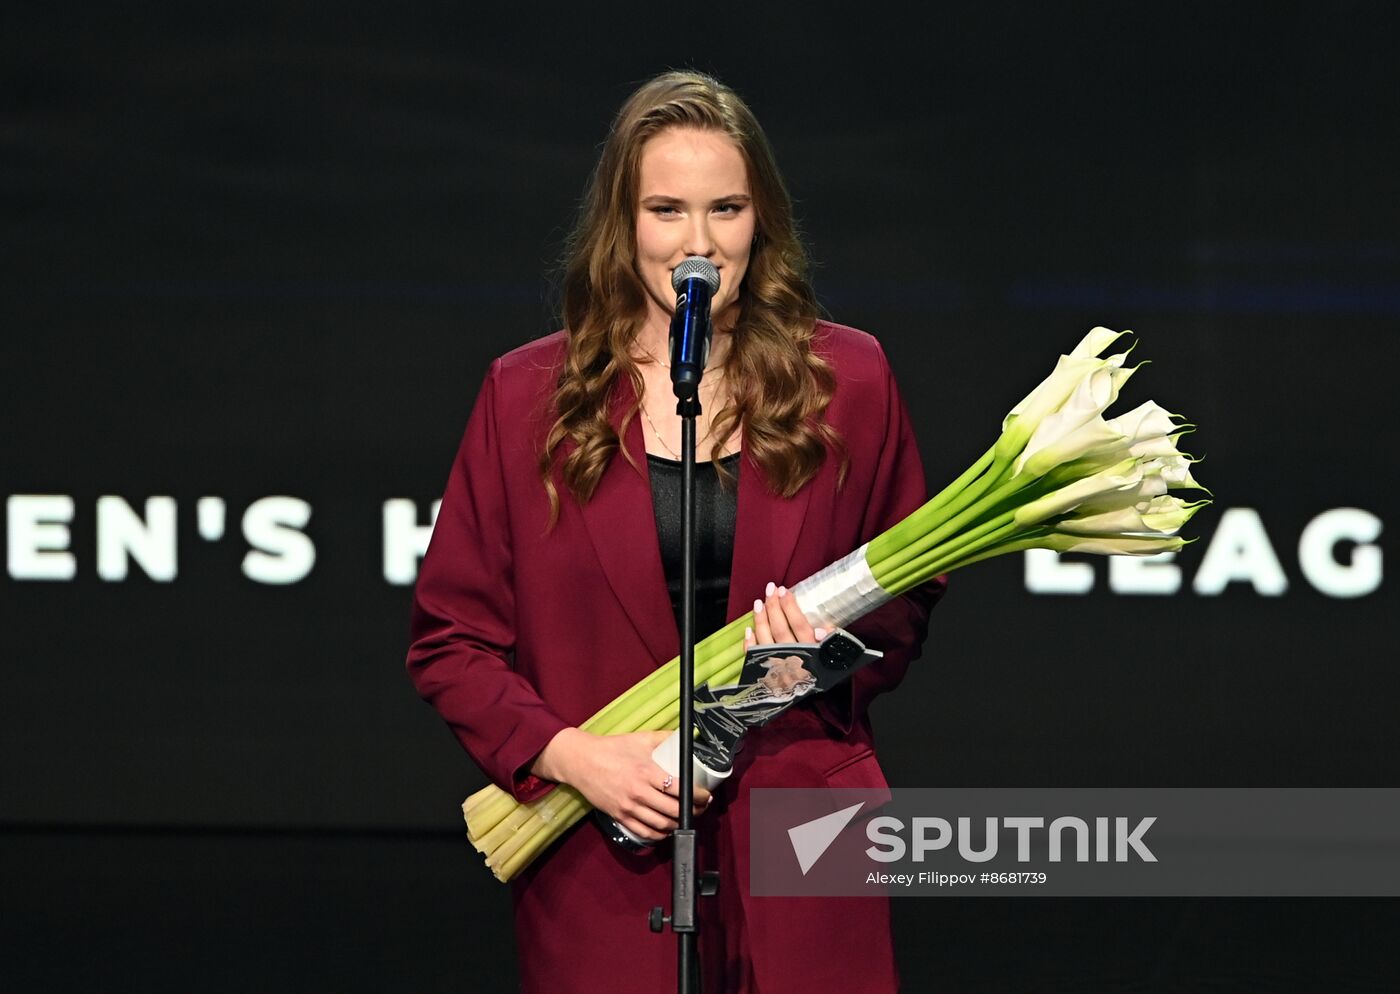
686, 882
695, 280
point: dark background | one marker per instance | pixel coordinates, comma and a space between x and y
271, 251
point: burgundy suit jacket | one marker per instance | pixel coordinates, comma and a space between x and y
519, 631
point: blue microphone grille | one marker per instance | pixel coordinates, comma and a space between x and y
693, 266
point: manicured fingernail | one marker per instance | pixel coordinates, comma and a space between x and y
757, 607
768, 590
748, 634
820, 633
782, 591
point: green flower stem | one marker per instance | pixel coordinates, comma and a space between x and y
720, 653
917, 526
1033, 490
563, 806
1031, 539
487, 811
917, 571
541, 838
957, 486
623, 710
973, 509
665, 713
635, 708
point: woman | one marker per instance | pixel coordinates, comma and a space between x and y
549, 586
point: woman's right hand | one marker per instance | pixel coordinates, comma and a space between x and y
617, 775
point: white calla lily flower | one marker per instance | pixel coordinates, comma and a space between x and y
1174, 471
1147, 421
1095, 342
1065, 388
1092, 439
1124, 476
1120, 545
1161, 515
1043, 420
1162, 445
1048, 397
1167, 514
1052, 392
1108, 503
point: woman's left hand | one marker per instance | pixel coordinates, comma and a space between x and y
777, 618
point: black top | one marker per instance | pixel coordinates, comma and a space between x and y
715, 508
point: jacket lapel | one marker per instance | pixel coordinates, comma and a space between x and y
622, 527
765, 536
621, 524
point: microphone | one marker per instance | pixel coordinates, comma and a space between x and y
696, 281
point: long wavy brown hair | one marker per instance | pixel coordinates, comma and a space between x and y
779, 387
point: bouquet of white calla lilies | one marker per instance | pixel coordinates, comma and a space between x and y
1060, 477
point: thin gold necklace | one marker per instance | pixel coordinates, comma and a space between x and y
667, 365
674, 454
